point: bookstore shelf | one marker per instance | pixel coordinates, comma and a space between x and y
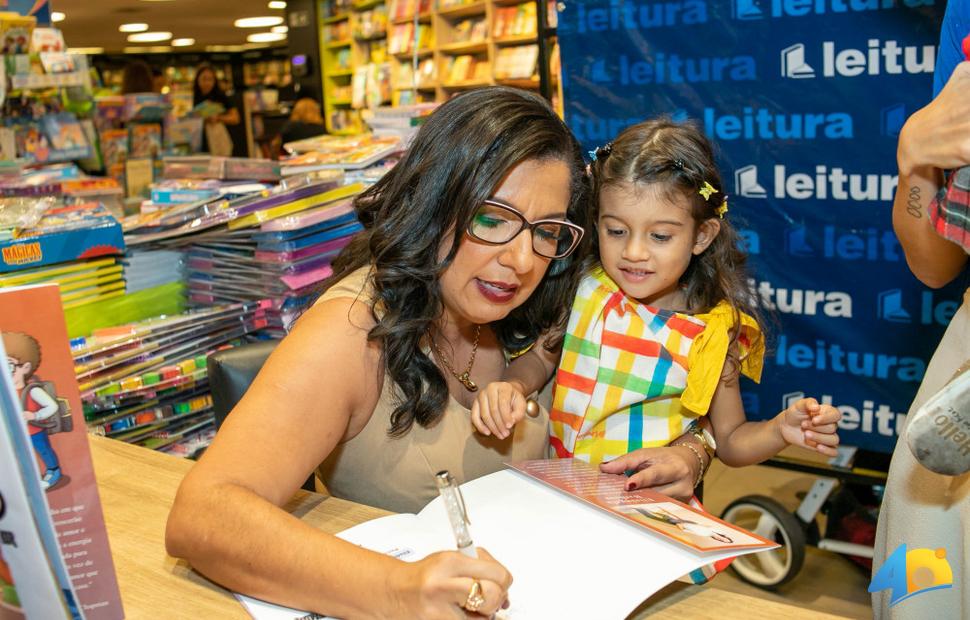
368, 55
333, 19
406, 56
423, 18
515, 40
467, 84
371, 37
464, 10
472, 47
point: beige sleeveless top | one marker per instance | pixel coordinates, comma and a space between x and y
397, 474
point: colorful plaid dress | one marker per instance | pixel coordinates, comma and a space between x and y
633, 376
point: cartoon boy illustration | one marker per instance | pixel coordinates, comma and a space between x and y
23, 357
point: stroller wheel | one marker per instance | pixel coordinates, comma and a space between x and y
768, 519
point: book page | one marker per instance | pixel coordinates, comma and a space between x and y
569, 559
687, 525
403, 536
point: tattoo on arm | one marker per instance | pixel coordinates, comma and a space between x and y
912, 204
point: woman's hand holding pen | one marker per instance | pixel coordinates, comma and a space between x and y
438, 586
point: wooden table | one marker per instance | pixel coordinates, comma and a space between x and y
138, 487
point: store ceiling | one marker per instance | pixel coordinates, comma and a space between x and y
94, 23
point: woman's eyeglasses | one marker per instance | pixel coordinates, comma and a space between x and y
495, 223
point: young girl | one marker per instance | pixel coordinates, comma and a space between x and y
662, 324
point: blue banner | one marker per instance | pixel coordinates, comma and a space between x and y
804, 100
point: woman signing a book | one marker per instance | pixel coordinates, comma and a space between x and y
373, 386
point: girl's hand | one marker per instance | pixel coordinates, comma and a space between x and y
498, 408
670, 470
438, 586
811, 425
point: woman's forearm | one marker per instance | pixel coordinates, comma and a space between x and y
934, 260
247, 544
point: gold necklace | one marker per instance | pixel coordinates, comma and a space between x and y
464, 377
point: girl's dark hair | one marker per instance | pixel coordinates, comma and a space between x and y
197, 95
137, 78
459, 157
680, 158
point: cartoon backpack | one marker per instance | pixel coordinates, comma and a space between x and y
60, 422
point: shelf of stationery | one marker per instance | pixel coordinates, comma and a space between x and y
335, 44
44, 82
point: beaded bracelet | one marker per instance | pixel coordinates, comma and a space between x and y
700, 462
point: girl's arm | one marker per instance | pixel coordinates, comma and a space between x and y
500, 405
739, 442
318, 388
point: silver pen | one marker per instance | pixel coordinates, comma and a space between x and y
457, 515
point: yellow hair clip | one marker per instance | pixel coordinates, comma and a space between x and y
722, 209
707, 190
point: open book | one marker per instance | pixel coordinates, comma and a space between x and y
556, 524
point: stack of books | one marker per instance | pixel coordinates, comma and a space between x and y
146, 383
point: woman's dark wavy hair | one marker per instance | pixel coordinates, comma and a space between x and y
679, 157
459, 157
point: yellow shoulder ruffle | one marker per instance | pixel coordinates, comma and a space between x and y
709, 352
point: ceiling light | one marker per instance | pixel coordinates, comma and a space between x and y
277, 4
265, 37
132, 27
85, 50
279, 29
57, 16
182, 42
149, 37
258, 22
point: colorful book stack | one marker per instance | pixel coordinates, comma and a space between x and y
44, 242
147, 383
81, 282
280, 255
145, 269
338, 152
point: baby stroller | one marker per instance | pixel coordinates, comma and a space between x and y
848, 491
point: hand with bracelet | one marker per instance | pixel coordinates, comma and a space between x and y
674, 470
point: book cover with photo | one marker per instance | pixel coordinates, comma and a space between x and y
64, 132
689, 526
36, 344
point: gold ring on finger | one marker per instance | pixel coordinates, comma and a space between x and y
475, 598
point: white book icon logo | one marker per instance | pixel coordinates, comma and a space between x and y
793, 63
746, 183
